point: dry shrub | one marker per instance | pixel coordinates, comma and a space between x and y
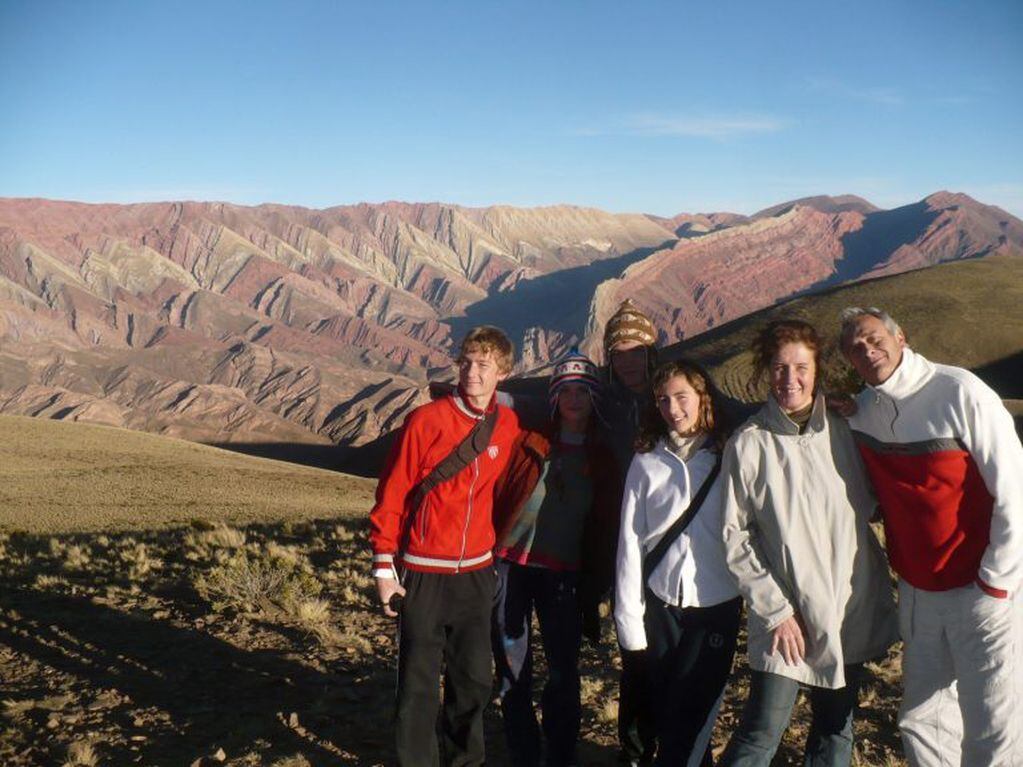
264, 579
341, 534
310, 612
14, 708
211, 540
285, 553
81, 754
140, 562
76, 557
608, 712
45, 582
292, 761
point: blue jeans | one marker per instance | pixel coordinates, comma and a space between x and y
766, 716
552, 594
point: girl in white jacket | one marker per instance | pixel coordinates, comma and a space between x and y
680, 615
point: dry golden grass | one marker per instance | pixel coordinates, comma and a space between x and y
109, 636
58, 477
963, 313
81, 754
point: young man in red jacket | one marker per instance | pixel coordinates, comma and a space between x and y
448, 585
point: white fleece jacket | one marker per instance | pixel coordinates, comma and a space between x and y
658, 489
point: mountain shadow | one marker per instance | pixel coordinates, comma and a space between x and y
559, 301
881, 235
1005, 376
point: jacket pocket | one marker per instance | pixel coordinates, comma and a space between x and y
422, 521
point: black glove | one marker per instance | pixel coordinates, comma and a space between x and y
635, 661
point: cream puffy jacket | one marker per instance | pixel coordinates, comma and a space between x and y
658, 489
798, 540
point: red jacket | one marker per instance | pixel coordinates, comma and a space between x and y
453, 529
600, 533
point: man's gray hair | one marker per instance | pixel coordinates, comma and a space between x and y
851, 314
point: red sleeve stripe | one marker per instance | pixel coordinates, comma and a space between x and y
991, 591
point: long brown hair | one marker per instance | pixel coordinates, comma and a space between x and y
711, 417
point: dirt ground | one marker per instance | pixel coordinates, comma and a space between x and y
112, 652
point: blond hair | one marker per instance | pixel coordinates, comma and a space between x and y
492, 340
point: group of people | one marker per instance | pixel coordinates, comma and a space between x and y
632, 481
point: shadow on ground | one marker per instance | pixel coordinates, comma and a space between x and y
96, 648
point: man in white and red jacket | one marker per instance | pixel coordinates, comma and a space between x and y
947, 466
448, 584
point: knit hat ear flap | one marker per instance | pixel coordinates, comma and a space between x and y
628, 324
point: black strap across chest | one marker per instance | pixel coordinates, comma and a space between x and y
656, 554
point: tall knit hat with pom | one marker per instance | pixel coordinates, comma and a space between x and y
628, 324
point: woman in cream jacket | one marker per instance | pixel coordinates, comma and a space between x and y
797, 506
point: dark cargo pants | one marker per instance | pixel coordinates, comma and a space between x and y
444, 628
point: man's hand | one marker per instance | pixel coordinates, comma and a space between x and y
841, 405
387, 588
788, 640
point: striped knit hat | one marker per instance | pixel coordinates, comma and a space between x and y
628, 324
574, 367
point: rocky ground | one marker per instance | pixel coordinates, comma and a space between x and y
209, 645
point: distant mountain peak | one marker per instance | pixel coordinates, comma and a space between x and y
823, 203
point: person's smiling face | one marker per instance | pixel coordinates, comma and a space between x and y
873, 349
793, 374
679, 405
478, 376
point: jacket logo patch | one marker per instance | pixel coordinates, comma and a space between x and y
492, 451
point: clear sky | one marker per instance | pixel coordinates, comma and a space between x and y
655, 107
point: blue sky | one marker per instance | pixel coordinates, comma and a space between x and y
627, 106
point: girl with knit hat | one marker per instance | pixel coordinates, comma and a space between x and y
556, 512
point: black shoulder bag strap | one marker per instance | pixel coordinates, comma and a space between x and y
651, 560
474, 443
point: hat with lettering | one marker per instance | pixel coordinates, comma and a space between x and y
574, 367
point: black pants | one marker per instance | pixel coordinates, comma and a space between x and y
444, 625
637, 737
690, 657
551, 594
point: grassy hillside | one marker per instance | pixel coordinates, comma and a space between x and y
58, 477
966, 313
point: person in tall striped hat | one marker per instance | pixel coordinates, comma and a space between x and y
556, 516
631, 355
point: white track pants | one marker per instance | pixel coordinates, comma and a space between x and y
962, 669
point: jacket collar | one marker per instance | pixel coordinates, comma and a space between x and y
466, 409
666, 453
909, 377
777, 421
